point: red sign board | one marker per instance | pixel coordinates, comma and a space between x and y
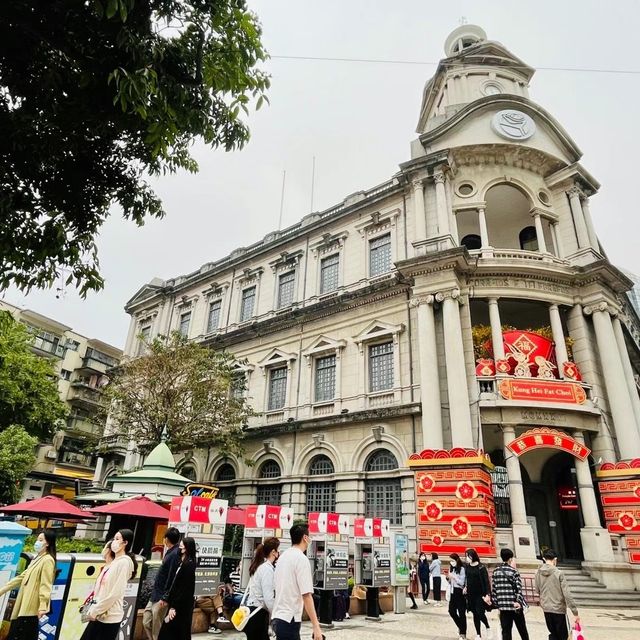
542, 391
548, 439
370, 527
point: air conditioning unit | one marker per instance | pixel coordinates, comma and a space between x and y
52, 455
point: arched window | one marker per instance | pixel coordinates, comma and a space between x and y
528, 239
383, 496
471, 242
269, 492
321, 496
226, 473
188, 471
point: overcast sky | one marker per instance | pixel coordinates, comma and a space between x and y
357, 119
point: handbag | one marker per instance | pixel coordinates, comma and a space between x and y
576, 632
90, 601
243, 613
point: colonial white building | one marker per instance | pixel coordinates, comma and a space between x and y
362, 325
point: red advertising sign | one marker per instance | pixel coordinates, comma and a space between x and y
266, 516
370, 527
198, 510
544, 438
542, 391
332, 523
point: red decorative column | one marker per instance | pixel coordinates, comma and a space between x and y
454, 501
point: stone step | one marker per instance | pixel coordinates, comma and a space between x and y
606, 603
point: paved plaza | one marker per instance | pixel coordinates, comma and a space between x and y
434, 624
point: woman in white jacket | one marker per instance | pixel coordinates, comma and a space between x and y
106, 612
261, 589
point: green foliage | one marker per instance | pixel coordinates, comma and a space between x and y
17, 457
69, 545
96, 94
182, 389
28, 384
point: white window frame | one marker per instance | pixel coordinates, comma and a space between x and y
275, 359
327, 245
372, 227
253, 286
370, 241
183, 312
210, 303
319, 348
247, 279
294, 286
333, 254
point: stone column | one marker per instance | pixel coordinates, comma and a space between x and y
542, 245
628, 369
496, 329
484, 233
614, 378
420, 221
578, 217
459, 411
97, 474
558, 337
555, 232
593, 238
596, 543
432, 437
522, 531
441, 204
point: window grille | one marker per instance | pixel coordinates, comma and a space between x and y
286, 284
380, 255
381, 460
270, 469
383, 499
381, 366
325, 378
321, 466
229, 494
188, 472
500, 488
226, 473
213, 321
248, 303
238, 385
185, 321
277, 388
329, 273
321, 496
269, 494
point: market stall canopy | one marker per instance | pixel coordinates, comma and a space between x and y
49, 507
139, 507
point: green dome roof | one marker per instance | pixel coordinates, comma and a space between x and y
160, 458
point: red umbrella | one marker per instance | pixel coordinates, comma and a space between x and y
138, 507
49, 507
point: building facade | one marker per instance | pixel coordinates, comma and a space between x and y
81, 365
456, 307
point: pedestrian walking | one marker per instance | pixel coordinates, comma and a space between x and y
458, 603
261, 589
156, 608
34, 594
507, 596
413, 589
478, 592
106, 611
180, 601
555, 597
294, 588
423, 576
436, 577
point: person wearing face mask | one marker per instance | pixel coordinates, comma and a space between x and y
423, 576
34, 595
478, 592
458, 604
294, 588
177, 623
434, 571
106, 611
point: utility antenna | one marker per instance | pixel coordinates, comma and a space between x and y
284, 176
313, 181
463, 20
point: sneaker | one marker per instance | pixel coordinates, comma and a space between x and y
478, 637
413, 606
214, 630
347, 616
222, 619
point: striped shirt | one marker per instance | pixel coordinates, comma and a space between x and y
506, 588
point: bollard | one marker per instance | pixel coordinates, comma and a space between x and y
373, 611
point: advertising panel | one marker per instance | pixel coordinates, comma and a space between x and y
381, 565
50, 624
336, 565
209, 562
400, 573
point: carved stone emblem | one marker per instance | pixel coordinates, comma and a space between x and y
513, 125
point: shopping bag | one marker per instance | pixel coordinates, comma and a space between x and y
577, 633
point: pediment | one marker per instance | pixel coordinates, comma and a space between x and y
377, 329
276, 357
324, 344
145, 292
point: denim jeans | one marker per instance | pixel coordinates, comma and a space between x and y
287, 630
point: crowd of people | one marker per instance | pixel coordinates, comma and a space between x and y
280, 587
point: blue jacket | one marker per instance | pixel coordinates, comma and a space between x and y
164, 578
423, 569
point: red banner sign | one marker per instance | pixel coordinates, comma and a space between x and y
198, 510
327, 523
548, 439
370, 528
542, 391
266, 516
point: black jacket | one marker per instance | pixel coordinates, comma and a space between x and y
164, 577
180, 598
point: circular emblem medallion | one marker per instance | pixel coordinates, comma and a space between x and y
513, 125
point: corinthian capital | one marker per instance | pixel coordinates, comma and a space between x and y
417, 183
416, 301
438, 177
575, 191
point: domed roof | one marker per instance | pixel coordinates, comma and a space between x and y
464, 36
160, 458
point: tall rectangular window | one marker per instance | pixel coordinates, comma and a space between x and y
269, 494
325, 378
277, 388
286, 285
329, 273
321, 496
213, 321
383, 499
145, 334
381, 366
380, 255
247, 304
185, 321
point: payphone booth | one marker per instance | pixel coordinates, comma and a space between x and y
263, 521
329, 558
204, 519
372, 559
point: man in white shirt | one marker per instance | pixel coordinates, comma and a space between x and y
294, 589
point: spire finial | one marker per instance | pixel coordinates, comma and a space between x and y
165, 435
463, 20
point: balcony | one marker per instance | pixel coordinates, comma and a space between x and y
95, 361
47, 348
76, 459
83, 425
114, 443
83, 395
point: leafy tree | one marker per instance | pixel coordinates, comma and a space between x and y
182, 390
28, 384
17, 457
96, 94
